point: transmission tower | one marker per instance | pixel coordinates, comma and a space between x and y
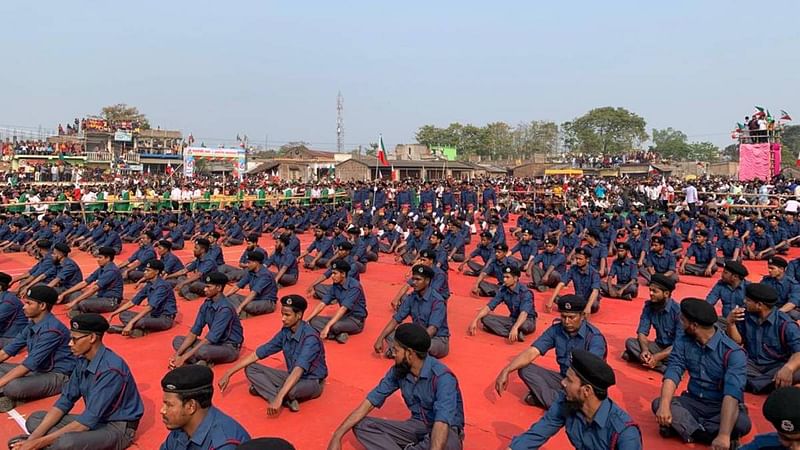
340, 123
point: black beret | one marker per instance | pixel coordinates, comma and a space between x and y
165, 243
255, 256
593, 233
202, 242
663, 281
761, 292
551, 241
703, 233
89, 323
186, 379
252, 237
425, 271
623, 246
636, 226
501, 246
736, 268
427, 253
217, 278
777, 261
486, 235
761, 224
571, 223
345, 246
296, 302
604, 219
285, 238
341, 266
782, 411
413, 336
43, 294
666, 225
63, 247
455, 223
699, 310
5, 278
571, 303
438, 234
583, 251
214, 234
592, 369
110, 223
354, 230
513, 270
271, 443
154, 264
420, 227
657, 240
107, 251
729, 227
152, 236
44, 243
528, 231
392, 222
290, 227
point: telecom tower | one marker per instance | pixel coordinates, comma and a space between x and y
340, 123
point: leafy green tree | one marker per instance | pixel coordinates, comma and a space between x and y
124, 113
606, 131
731, 152
703, 151
790, 141
671, 144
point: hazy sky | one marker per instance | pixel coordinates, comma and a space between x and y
262, 68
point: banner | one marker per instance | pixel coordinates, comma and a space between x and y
237, 156
776, 159
123, 136
754, 162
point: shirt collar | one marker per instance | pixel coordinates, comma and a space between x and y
601, 415
298, 335
95, 362
205, 426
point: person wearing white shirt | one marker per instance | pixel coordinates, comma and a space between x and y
691, 198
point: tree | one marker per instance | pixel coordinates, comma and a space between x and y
124, 113
703, 151
534, 137
670, 144
606, 131
790, 141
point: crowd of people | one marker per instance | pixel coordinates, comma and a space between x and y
601, 239
38, 147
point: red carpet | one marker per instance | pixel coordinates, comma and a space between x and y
355, 369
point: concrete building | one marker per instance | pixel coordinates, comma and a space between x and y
356, 169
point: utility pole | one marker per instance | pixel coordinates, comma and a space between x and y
340, 123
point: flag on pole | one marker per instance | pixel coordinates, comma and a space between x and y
785, 115
382, 152
760, 109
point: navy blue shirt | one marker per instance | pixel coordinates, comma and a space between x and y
109, 281
302, 348
12, 318
171, 262
142, 254
771, 342
107, 388
485, 252
767, 441
427, 310
568, 242
715, 370
788, 290
526, 249
517, 299
224, 326
665, 320
69, 273
584, 281
262, 282
728, 245
432, 397
588, 338
665, 262
44, 266
323, 246
204, 265
556, 259
48, 346
703, 254
609, 424
731, 298
160, 297
217, 431
625, 270
349, 294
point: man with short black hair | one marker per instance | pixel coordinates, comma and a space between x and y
304, 355
263, 289
352, 311
101, 291
431, 393
662, 314
158, 315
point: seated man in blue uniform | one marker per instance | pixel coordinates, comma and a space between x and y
662, 314
787, 288
547, 267
322, 245
101, 291
225, 335
483, 250
158, 315
625, 273
172, 263
12, 316
351, 312
770, 338
711, 410
68, 273
782, 412
285, 261
430, 391
49, 361
439, 282
42, 272
191, 286
704, 253
103, 380
303, 353
591, 419
729, 245
494, 269
585, 280
263, 289
192, 420
518, 299
427, 308
570, 332
133, 268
